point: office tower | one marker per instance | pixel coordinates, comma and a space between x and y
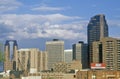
23, 59
15, 48
96, 29
55, 50
68, 55
109, 52
85, 56
77, 51
42, 65
9, 63
31, 60
80, 53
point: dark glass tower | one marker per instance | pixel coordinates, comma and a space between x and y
97, 29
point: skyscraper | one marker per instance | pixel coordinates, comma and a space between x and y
55, 50
80, 53
9, 63
97, 29
77, 51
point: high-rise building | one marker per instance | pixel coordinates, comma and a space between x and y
80, 53
9, 63
97, 29
23, 59
77, 51
107, 51
68, 55
42, 64
31, 60
97, 52
55, 50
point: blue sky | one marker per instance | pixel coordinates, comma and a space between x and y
33, 22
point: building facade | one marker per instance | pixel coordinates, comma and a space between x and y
50, 75
67, 67
10, 63
68, 55
98, 74
96, 29
80, 53
42, 63
107, 51
97, 52
31, 60
55, 50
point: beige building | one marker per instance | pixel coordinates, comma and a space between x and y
68, 55
60, 67
67, 67
96, 52
9, 63
42, 63
75, 65
107, 51
32, 60
55, 50
51, 75
81, 74
98, 74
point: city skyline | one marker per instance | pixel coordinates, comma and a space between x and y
27, 28
43, 20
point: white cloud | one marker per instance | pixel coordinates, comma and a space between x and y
47, 8
114, 23
41, 26
7, 5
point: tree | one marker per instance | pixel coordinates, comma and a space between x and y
1, 54
1, 57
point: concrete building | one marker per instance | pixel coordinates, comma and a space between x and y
96, 29
51, 75
9, 63
80, 53
77, 51
32, 60
97, 52
42, 63
55, 50
107, 51
98, 74
67, 67
75, 65
68, 55
60, 67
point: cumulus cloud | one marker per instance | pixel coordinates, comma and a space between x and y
41, 26
7, 5
47, 8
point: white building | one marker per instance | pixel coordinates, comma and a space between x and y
68, 55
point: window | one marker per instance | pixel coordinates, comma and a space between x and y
111, 78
